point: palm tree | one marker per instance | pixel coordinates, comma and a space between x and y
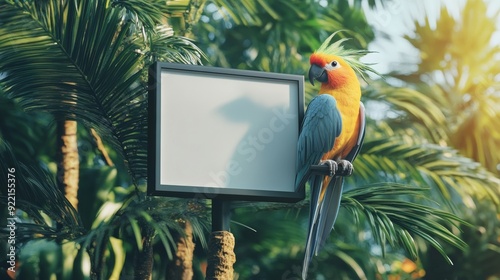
88, 60
457, 74
459, 63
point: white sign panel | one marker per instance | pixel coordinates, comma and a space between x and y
224, 133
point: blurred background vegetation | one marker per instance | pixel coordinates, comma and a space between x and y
423, 202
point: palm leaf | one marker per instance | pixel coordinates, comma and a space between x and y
161, 214
50, 214
388, 210
462, 75
81, 60
405, 160
165, 46
392, 219
408, 108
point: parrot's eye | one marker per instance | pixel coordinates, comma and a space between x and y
332, 65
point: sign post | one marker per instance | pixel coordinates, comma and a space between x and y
221, 256
223, 134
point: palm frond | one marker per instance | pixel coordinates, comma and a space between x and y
475, 135
443, 169
463, 76
408, 108
81, 60
394, 223
167, 47
26, 133
145, 14
50, 214
161, 214
75, 71
394, 220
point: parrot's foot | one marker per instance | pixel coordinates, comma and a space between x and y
345, 167
333, 166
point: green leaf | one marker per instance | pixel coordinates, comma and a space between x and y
392, 219
137, 232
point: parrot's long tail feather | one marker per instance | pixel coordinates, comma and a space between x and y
329, 211
322, 216
316, 186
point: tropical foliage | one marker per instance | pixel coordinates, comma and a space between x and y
408, 145
88, 60
415, 205
461, 72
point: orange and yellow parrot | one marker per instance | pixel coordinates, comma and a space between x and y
332, 133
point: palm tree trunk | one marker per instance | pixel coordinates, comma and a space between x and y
144, 257
221, 256
181, 267
68, 162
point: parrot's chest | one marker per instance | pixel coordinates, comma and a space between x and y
349, 134
348, 101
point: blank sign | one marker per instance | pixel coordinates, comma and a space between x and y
223, 133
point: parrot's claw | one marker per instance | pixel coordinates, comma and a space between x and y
333, 166
345, 167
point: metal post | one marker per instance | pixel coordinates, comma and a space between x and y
221, 215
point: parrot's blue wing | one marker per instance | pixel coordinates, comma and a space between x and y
322, 124
331, 202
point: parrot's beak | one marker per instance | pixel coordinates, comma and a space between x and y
317, 73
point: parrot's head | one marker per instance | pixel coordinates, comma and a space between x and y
330, 70
335, 67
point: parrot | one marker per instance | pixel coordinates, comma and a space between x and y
332, 133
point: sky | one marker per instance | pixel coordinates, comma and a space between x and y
396, 19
